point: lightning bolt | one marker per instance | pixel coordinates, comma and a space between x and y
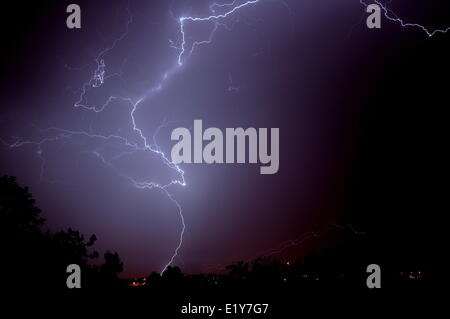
233, 7
390, 15
297, 242
219, 13
98, 78
310, 235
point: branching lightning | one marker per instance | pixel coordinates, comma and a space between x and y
99, 77
219, 13
390, 15
215, 17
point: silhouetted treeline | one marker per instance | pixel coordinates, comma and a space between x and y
265, 274
342, 264
34, 258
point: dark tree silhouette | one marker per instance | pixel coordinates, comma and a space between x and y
20, 216
238, 270
109, 270
33, 258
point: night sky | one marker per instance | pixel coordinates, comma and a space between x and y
362, 116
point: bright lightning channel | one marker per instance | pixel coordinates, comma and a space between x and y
99, 77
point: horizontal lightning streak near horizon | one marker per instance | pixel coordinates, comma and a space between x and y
330, 226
